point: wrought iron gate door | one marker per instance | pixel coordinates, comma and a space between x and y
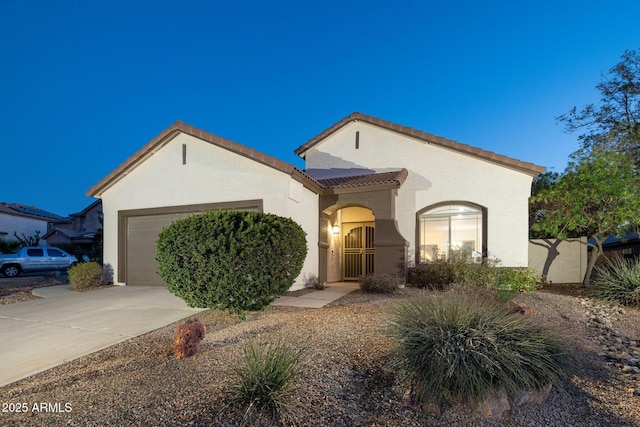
358, 250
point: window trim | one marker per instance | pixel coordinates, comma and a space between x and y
483, 209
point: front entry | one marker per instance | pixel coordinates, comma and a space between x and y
359, 251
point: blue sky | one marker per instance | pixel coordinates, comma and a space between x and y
85, 84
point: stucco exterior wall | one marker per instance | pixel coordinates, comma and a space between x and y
21, 225
559, 261
211, 174
436, 174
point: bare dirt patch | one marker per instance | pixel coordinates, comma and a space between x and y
346, 379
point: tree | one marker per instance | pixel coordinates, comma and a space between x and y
597, 196
613, 123
25, 241
540, 183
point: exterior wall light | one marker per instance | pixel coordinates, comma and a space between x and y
335, 229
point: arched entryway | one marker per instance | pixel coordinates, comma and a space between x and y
351, 243
358, 242
358, 235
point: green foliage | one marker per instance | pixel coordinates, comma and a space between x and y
540, 183
510, 281
456, 348
9, 246
614, 123
444, 271
379, 284
86, 275
598, 196
267, 381
231, 260
618, 282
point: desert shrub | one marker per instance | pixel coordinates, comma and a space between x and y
9, 246
86, 275
457, 348
231, 260
378, 284
312, 281
441, 271
618, 282
267, 381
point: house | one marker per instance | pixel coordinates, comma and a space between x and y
373, 196
23, 220
626, 246
82, 230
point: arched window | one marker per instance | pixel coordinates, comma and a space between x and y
449, 229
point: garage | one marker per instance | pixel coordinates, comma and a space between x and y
139, 230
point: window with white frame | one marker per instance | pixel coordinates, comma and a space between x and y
447, 229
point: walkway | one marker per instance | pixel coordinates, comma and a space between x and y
318, 299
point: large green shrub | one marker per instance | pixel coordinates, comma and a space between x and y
267, 382
458, 347
86, 275
618, 282
231, 260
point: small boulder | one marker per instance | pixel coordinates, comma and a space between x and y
187, 338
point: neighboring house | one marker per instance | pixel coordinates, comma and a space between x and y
374, 196
23, 220
79, 229
627, 246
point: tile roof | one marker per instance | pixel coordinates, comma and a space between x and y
526, 167
179, 127
396, 178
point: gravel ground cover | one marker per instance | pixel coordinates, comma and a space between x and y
345, 381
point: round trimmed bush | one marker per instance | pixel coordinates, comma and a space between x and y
86, 275
458, 348
231, 259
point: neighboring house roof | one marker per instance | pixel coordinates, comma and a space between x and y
630, 238
179, 127
82, 213
526, 167
25, 211
71, 234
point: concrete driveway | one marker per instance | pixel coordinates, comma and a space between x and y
40, 334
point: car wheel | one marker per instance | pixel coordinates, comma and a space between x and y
11, 271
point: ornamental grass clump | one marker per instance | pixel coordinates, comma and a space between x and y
459, 348
267, 381
618, 282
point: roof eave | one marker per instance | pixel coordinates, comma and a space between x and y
524, 167
179, 127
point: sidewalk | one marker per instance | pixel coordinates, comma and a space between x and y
319, 299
